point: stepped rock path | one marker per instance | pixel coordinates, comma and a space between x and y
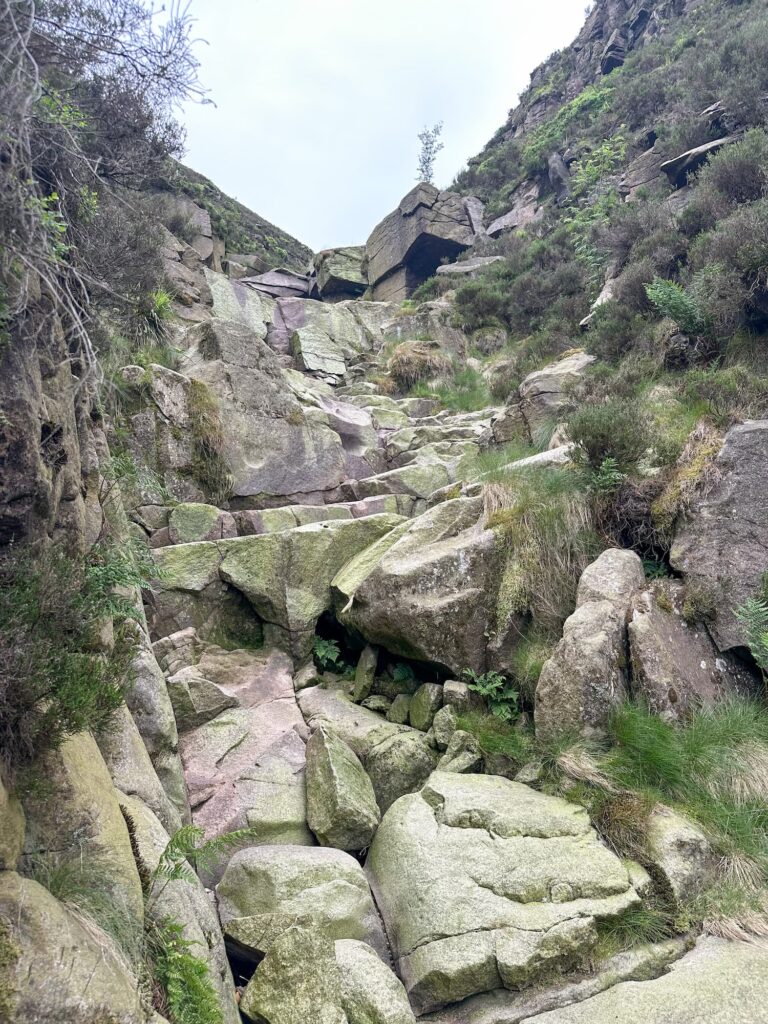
387, 872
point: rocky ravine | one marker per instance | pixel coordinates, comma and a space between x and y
388, 872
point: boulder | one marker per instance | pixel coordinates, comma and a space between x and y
679, 853
131, 769
469, 267
716, 981
78, 816
428, 590
297, 982
370, 992
432, 320
425, 704
183, 901
279, 284
717, 546
543, 393
195, 699
287, 576
399, 764
340, 273
365, 673
457, 694
341, 806
525, 210
586, 677
680, 167
267, 890
675, 666
358, 727
410, 243
400, 709
191, 521
55, 966
484, 883
443, 726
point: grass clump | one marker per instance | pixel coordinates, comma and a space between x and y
613, 429
498, 737
416, 361
465, 391
637, 926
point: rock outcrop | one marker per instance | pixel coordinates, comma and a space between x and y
410, 243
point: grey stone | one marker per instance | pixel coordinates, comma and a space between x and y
425, 704
341, 805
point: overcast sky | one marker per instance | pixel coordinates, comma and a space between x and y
319, 102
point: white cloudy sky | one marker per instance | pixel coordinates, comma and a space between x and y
319, 102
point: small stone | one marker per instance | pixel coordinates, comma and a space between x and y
365, 674
306, 676
444, 726
400, 710
459, 695
463, 754
425, 704
377, 702
370, 992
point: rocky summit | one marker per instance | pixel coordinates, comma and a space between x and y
384, 630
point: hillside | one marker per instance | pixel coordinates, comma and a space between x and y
384, 630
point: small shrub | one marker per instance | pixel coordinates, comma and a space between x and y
502, 698
731, 394
465, 391
55, 680
528, 659
672, 300
739, 172
753, 615
414, 361
615, 430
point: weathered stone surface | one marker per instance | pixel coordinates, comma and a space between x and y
399, 764
370, 992
279, 284
484, 882
360, 728
429, 595
425, 704
678, 168
54, 967
717, 981
468, 268
458, 694
150, 705
675, 666
525, 210
131, 769
433, 320
409, 244
185, 902
679, 852
586, 676
504, 1007
400, 709
717, 546
191, 521
462, 755
297, 982
377, 702
79, 816
11, 829
340, 272
341, 806
365, 673
443, 725
287, 576
542, 394
268, 889
195, 699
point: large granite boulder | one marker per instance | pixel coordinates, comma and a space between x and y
411, 242
721, 546
717, 981
370, 992
287, 576
428, 590
586, 677
486, 884
341, 806
675, 665
340, 273
55, 966
266, 890
298, 981
544, 393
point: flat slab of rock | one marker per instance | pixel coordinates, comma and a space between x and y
484, 883
718, 982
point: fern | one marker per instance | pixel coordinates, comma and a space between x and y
186, 847
326, 653
184, 978
672, 300
502, 698
753, 615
